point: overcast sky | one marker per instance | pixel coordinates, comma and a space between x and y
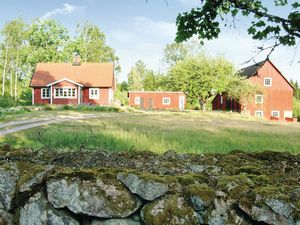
140, 29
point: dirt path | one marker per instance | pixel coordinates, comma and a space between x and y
23, 124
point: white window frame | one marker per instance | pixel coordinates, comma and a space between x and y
47, 91
259, 111
137, 100
221, 100
267, 78
93, 96
262, 99
166, 98
65, 97
277, 111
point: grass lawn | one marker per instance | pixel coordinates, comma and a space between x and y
190, 132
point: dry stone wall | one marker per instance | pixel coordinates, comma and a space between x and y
238, 188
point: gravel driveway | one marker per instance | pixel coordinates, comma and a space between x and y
23, 124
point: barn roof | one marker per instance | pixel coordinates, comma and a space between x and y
86, 74
251, 70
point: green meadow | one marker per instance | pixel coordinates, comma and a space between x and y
186, 132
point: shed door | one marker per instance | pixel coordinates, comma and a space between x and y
150, 103
142, 103
181, 102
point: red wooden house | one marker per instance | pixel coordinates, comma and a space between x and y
275, 102
157, 100
76, 84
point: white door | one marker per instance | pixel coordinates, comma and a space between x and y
181, 102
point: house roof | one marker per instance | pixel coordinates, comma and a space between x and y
86, 74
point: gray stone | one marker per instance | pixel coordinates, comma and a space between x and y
6, 218
115, 222
210, 169
147, 189
102, 198
296, 194
270, 211
36, 180
9, 175
39, 212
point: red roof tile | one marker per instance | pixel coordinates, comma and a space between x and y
87, 74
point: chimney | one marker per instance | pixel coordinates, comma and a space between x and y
76, 60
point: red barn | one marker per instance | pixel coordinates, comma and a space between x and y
75, 84
276, 100
157, 100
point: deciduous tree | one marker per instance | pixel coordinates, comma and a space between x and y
205, 21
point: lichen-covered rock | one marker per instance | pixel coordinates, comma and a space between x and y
6, 218
115, 222
102, 197
146, 187
9, 175
201, 196
170, 210
36, 179
269, 210
39, 212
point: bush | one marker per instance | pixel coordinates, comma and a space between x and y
7, 102
296, 108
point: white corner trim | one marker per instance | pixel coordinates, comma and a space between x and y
64, 79
32, 95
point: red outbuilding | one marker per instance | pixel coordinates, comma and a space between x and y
157, 100
275, 102
73, 83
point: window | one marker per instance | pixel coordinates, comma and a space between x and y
268, 82
137, 100
45, 93
259, 99
221, 99
259, 113
275, 114
166, 101
65, 92
94, 93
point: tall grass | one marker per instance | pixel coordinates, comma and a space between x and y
184, 133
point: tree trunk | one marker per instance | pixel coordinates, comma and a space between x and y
202, 104
11, 83
4, 71
16, 76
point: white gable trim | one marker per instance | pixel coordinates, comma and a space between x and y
64, 79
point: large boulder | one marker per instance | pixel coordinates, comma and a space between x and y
147, 187
102, 197
38, 211
9, 175
170, 210
115, 222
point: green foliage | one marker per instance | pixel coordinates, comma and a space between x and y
205, 20
202, 77
121, 96
7, 101
90, 44
47, 40
296, 108
174, 53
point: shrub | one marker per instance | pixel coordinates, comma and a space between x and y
7, 102
296, 108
